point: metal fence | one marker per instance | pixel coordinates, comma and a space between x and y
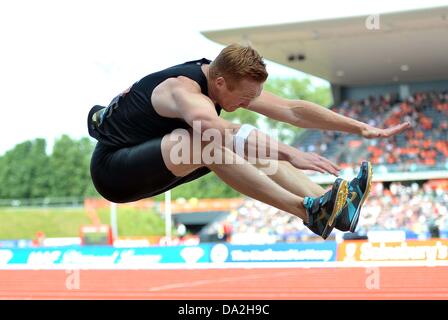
43, 202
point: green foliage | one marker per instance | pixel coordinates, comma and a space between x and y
24, 171
40, 185
241, 116
27, 171
69, 164
25, 223
299, 89
135, 222
294, 89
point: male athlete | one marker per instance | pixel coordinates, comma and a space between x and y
140, 134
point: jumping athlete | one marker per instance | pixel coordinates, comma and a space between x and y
145, 129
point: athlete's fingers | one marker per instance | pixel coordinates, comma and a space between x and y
398, 129
320, 164
316, 168
327, 164
322, 167
335, 166
327, 167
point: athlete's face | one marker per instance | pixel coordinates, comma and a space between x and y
239, 95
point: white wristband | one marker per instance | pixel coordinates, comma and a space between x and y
240, 138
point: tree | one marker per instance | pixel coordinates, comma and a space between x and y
69, 163
14, 177
301, 89
86, 149
24, 171
40, 171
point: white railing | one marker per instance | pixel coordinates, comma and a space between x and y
44, 202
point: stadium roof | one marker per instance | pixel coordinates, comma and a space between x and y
408, 46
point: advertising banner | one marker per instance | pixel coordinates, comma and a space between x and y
411, 250
98, 256
279, 252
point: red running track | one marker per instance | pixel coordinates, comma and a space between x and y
229, 284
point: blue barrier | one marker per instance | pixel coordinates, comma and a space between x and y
104, 256
23, 243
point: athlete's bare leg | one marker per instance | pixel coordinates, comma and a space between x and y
292, 179
243, 177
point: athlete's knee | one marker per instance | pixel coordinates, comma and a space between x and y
187, 147
181, 153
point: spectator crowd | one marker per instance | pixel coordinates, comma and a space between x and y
422, 147
413, 208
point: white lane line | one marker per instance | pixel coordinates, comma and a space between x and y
188, 284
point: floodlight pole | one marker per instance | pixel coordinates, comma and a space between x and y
168, 215
113, 220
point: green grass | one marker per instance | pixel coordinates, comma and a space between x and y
134, 222
60, 222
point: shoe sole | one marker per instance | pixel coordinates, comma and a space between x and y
341, 198
354, 223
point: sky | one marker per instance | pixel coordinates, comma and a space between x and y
59, 58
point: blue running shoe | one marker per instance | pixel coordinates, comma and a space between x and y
322, 211
358, 191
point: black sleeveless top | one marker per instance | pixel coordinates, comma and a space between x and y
130, 118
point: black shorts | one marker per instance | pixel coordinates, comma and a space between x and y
130, 174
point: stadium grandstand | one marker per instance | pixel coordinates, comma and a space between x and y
382, 69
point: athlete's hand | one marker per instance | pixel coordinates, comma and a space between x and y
315, 162
370, 132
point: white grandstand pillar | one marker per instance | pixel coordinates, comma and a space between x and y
168, 215
113, 220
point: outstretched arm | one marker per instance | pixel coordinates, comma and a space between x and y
307, 114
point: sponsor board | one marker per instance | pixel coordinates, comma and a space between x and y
411, 250
103, 256
23, 243
223, 254
279, 252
